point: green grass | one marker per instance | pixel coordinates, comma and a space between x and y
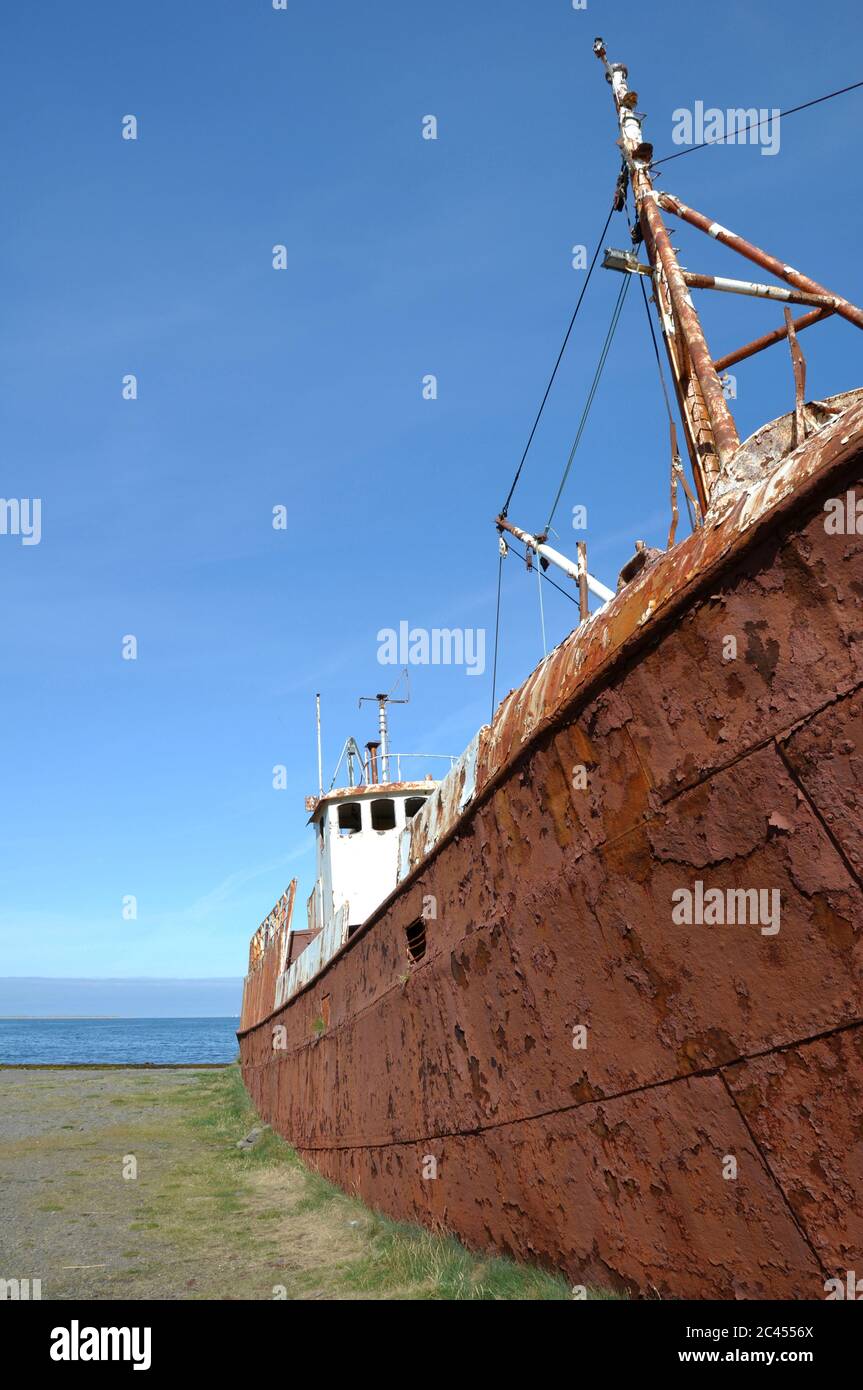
403, 1258
348, 1250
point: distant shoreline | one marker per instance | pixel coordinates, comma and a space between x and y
115, 1066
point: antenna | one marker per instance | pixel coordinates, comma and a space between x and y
382, 702
320, 762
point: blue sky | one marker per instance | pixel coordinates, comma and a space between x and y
302, 388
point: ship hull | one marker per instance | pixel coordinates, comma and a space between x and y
571, 1074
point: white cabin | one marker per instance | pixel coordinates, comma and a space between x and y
357, 832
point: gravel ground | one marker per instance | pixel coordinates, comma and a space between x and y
70, 1217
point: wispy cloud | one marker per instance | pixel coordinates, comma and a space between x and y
226, 893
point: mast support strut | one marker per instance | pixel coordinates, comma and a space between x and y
841, 306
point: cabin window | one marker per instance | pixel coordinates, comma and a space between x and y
350, 818
415, 939
412, 805
384, 815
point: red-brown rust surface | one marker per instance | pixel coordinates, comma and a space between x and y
804, 1109
268, 954
554, 910
627, 1194
826, 756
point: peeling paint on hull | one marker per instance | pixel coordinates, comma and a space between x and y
554, 912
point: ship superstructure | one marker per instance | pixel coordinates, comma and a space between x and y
362, 840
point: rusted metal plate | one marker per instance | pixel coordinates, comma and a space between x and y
627, 1194
788, 615
826, 755
323, 946
268, 953
774, 441
274, 924
803, 1108
443, 808
297, 943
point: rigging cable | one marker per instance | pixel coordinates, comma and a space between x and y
510, 545
659, 368
522, 556
662, 384
505, 507
755, 125
662, 377
589, 402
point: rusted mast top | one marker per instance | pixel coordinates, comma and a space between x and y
711, 434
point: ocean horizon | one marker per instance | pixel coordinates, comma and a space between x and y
89, 1041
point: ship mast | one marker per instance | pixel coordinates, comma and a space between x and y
711, 434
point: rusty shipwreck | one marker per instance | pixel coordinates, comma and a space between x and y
495, 1021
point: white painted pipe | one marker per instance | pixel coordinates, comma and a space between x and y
599, 589
554, 557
